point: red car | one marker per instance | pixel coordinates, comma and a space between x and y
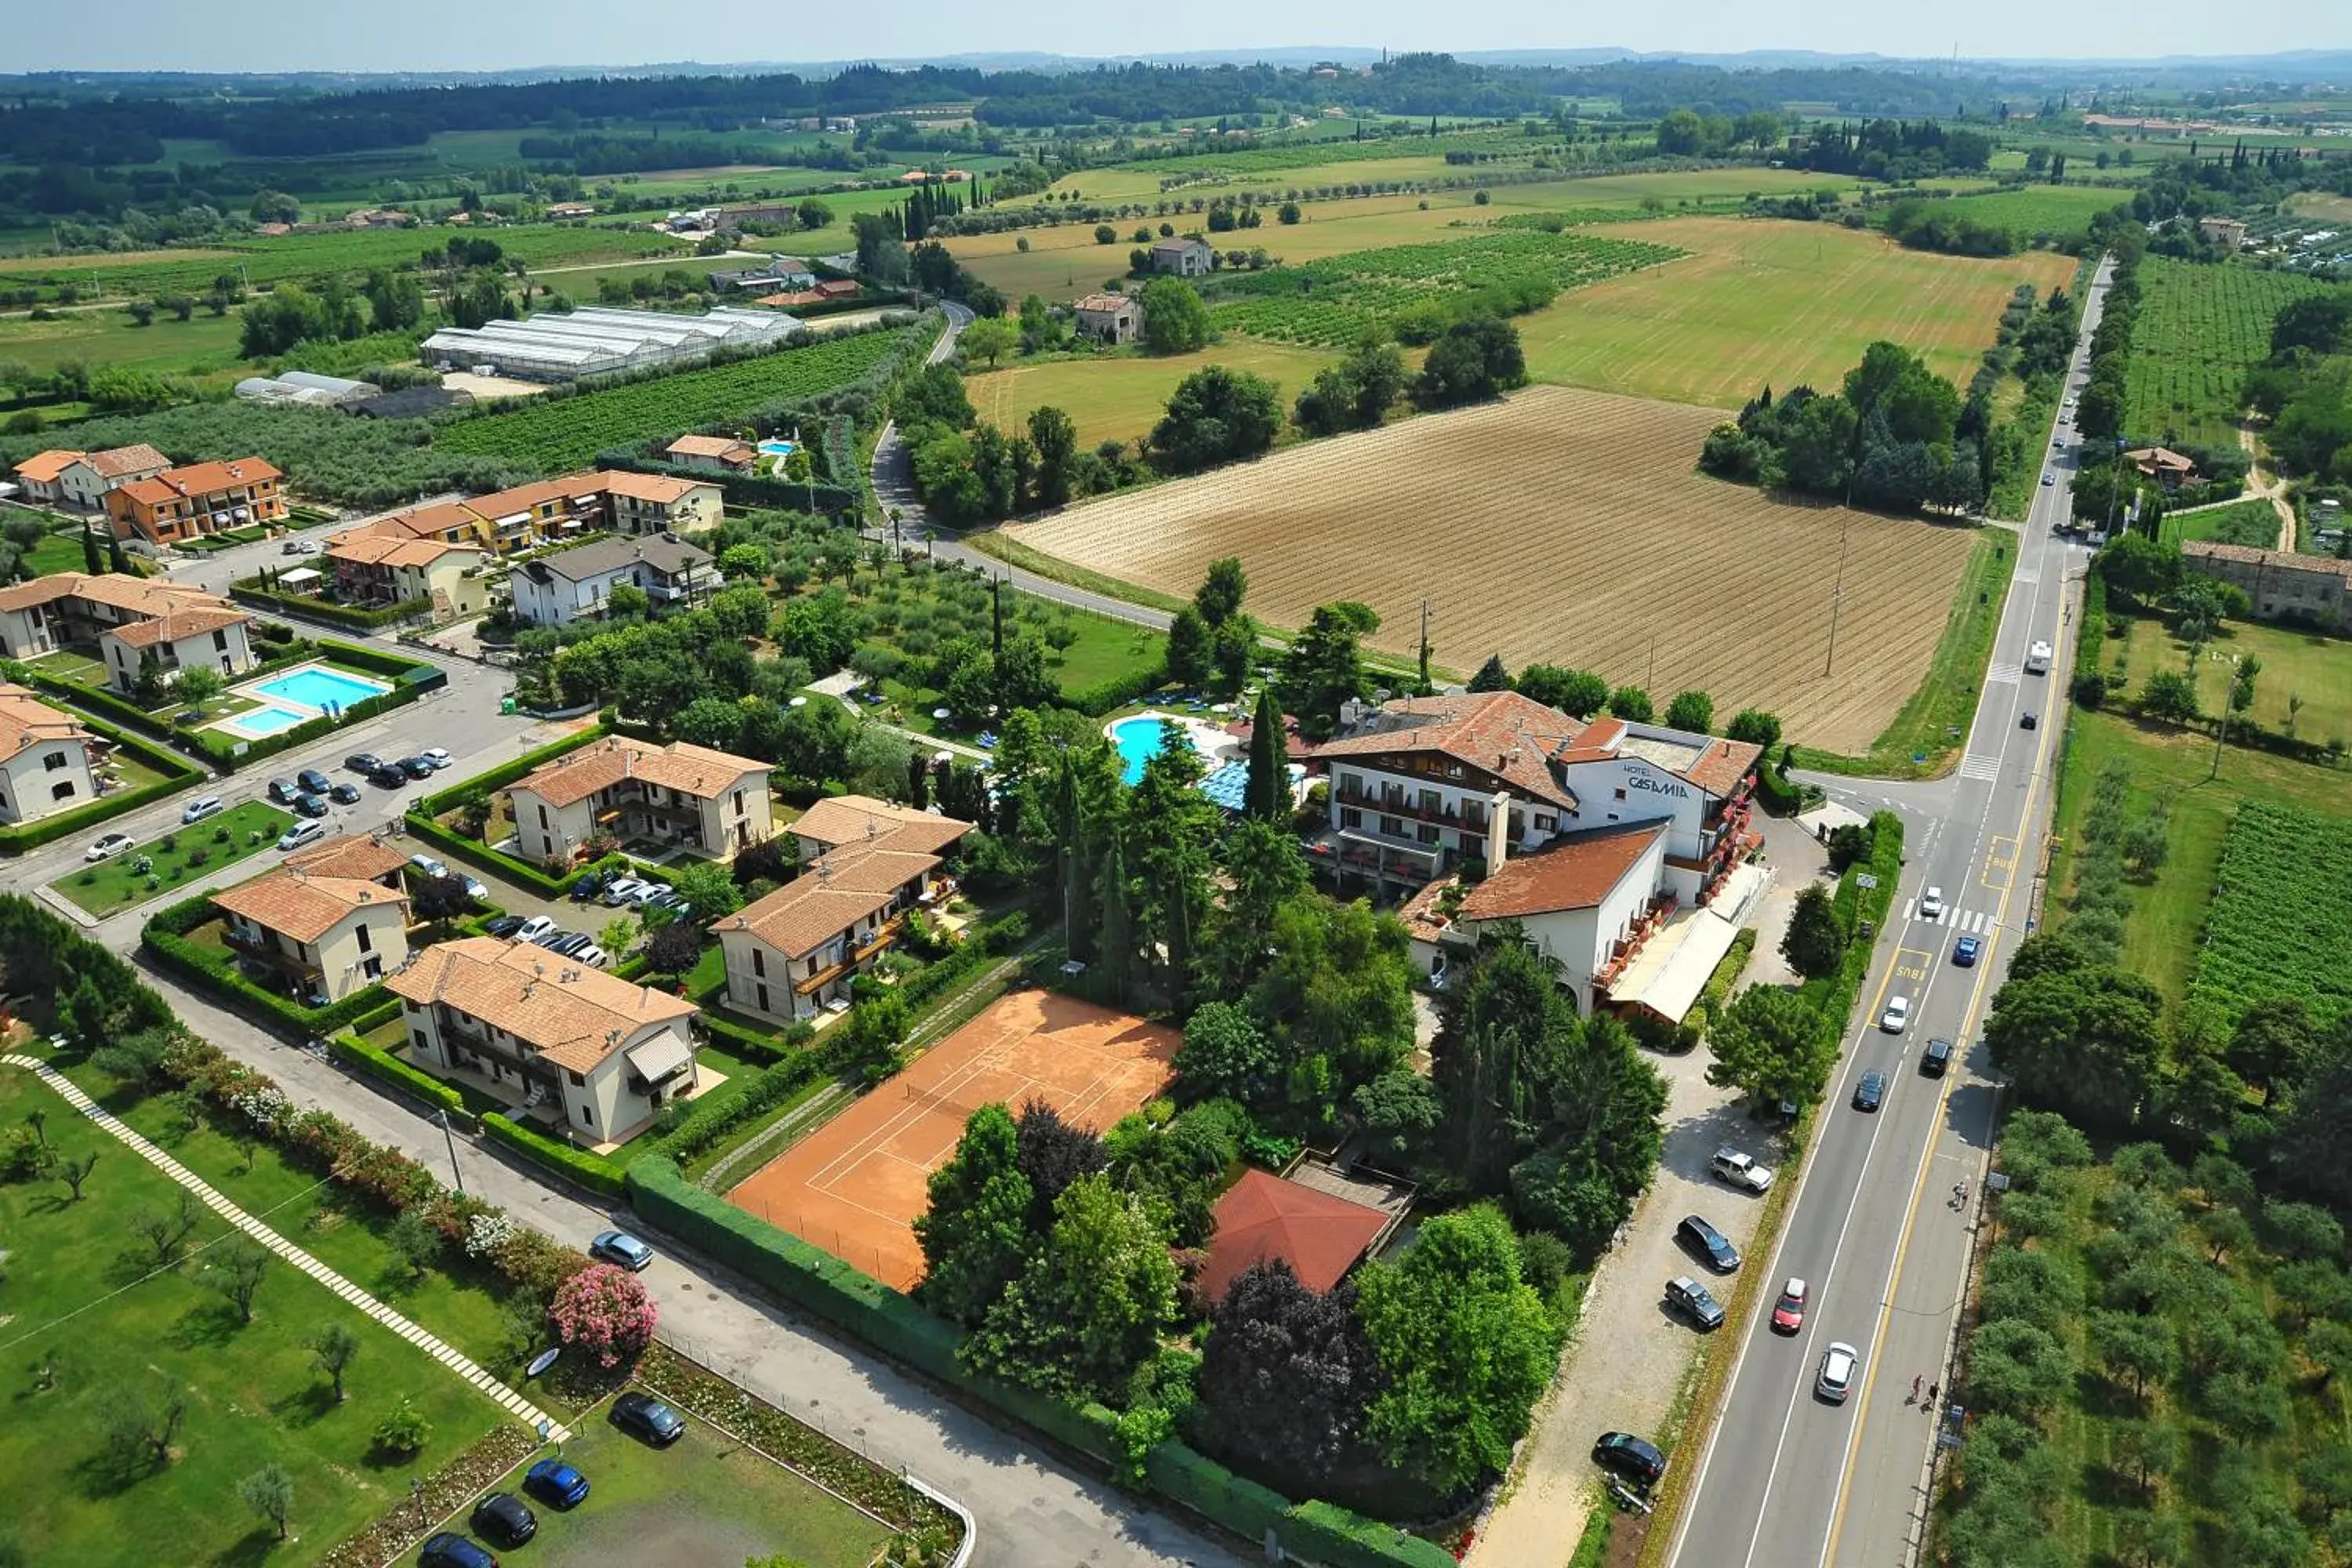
1788, 1316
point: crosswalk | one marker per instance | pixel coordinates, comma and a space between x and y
1980, 766
1969, 922
2007, 672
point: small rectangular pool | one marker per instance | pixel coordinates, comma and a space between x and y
261, 721
317, 686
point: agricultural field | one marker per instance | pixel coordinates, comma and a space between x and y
2202, 327
2276, 926
203, 345
1563, 526
1670, 189
1119, 398
568, 432
1748, 309
1337, 301
2036, 210
2318, 204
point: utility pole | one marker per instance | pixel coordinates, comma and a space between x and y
1424, 644
1837, 601
455, 1174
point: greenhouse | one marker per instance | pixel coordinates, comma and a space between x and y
597, 341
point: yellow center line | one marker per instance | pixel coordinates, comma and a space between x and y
1943, 1094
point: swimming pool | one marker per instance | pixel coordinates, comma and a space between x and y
262, 721
1137, 739
318, 688
779, 450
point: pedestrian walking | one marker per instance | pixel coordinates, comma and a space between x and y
1915, 1391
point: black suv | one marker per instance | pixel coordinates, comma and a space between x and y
1633, 1458
1936, 1058
1871, 1092
1709, 1245
363, 761
388, 777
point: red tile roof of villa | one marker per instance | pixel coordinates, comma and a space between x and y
358, 855
116, 590
304, 907
1576, 873
175, 623
1263, 1217
26, 721
1500, 732
864, 822
574, 1015
116, 461
43, 468
692, 770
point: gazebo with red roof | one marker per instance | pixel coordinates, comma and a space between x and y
1263, 1216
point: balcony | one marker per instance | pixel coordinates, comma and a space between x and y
264, 951
1400, 803
822, 978
883, 935
1623, 952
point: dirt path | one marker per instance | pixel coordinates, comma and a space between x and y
2272, 490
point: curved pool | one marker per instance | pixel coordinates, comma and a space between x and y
1137, 739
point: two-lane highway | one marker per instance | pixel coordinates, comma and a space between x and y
1787, 1479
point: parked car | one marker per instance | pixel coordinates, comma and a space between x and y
1741, 1171
649, 1418
313, 782
388, 778
646, 892
437, 756
1788, 1313
624, 890
587, 886
415, 767
1709, 1245
592, 955
551, 936
619, 1247
1689, 1296
1633, 1458
1931, 904
1898, 1017
198, 809
553, 1481
282, 792
1840, 1364
430, 865
112, 844
1966, 951
1871, 1092
344, 795
505, 1519
301, 832
504, 926
363, 761
1936, 1058
310, 805
448, 1551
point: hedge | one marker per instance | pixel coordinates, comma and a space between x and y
382, 1064
178, 774
703, 1125
897, 1326
819, 496
376, 1017
261, 598
591, 1171
1833, 996
164, 937
477, 853
1117, 692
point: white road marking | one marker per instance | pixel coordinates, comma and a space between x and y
1976, 765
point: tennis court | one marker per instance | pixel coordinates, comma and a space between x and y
854, 1186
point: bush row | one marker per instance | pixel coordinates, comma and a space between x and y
381, 1064
504, 773
700, 1127
822, 496
1099, 699
594, 1172
1833, 996
260, 599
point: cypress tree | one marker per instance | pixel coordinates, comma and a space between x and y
1268, 795
1117, 945
89, 557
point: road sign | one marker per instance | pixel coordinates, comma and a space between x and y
1864, 880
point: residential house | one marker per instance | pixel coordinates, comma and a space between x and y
1263, 1217
85, 481
659, 503
865, 864
557, 589
679, 795
542, 512
2279, 586
446, 522
323, 937
550, 511
354, 857
41, 477
2226, 231
385, 568
761, 279
1184, 257
198, 500
1109, 318
833, 288
45, 757
559, 211
720, 454
2163, 465
601, 1054
120, 619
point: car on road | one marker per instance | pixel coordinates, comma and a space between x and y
112, 844
302, 832
649, 1418
297, 547
2048, 480
1936, 1059
198, 809
363, 761
1709, 1245
415, 767
1898, 1017
1687, 1296
1635, 1458
309, 804
1931, 904
553, 1481
448, 1551
2029, 720
1788, 1312
1840, 1364
388, 777
505, 1519
1871, 1092
1966, 951
533, 929
439, 758
503, 926
283, 791
1741, 1171
344, 795
619, 1247
313, 782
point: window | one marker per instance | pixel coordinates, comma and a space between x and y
542, 819
1621, 791
374, 968
578, 1081
367, 940
417, 1037
220, 642
62, 791
1426, 832
1350, 817
763, 1000
1544, 823
1392, 827
587, 1116
759, 963
54, 761
739, 803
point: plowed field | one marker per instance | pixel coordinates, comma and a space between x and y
1562, 526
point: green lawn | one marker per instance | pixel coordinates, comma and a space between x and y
1119, 397
2296, 664
706, 1501
2253, 523
169, 858
92, 1326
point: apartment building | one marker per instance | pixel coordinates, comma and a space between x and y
566, 585
2279, 584
121, 620
83, 479
321, 936
599, 1055
198, 501
45, 757
679, 795
388, 569
865, 863
551, 511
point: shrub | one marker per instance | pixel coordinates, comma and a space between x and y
606, 1310
404, 1432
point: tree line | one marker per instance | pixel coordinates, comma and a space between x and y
1892, 437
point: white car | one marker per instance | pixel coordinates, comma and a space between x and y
427, 865
1898, 1017
437, 756
628, 890
302, 832
592, 955
1840, 1364
112, 844
534, 928
198, 810
1931, 903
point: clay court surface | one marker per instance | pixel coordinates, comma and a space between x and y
854, 1186
1562, 526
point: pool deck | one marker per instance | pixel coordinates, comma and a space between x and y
269, 706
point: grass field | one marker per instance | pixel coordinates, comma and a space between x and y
1119, 398
2316, 668
198, 850
2318, 204
203, 345
1512, 520
86, 1302
2036, 210
1773, 303
2255, 523
2202, 327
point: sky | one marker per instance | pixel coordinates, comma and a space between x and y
470, 34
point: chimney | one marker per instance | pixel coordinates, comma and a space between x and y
1499, 831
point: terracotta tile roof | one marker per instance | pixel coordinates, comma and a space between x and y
1722, 765
697, 771
524, 498
133, 596
352, 855
1576, 873
418, 522
26, 721
862, 821
573, 1015
148, 492
726, 447
391, 549
204, 479
2253, 555
661, 490
301, 906
1263, 1217
1500, 732
791, 298
2161, 457
116, 461
1419, 914
813, 909
1105, 302
174, 625
43, 468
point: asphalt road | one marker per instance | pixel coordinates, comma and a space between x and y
1787, 1480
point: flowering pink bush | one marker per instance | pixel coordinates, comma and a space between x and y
606, 1310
